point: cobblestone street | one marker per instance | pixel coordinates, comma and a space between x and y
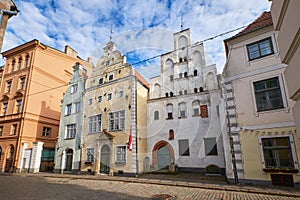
39, 187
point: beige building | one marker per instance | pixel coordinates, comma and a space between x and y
35, 76
115, 107
286, 17
261, 130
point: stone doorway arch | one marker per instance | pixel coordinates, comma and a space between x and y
162, 155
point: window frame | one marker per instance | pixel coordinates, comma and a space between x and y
46, 131
77, 107
8, 86
74, 88
18, 105
269, 39
90, 152
156, 115
14, 129
181, 151
109, 96
4, 108
292, 146
124, 157
214, 149
116, 123
70, 131
95, 124
68, 110
22, 83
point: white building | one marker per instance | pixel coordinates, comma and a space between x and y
68, 146
183, 111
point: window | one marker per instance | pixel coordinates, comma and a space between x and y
121, 93
8, 86
14, 129
109, 96
13, 66
185, 92
95, 124
260, 49
195, 72
201, 89
268, 94
99, 99
180, 75
19, 63
74, 88
121, 154
22, 83
90, 101
117, 120
1, 132
171, 78
100, 81
169, 111
167, 94
70, 131
111, 77
156, 115
277, 152
171, 134
26, 61
196, 108
77, 107
210, 146
48, 154
185, 74
46, 131
68, 109
90, 155
196, 90
182, 109
18, 106
180, 92
184, 149
107, 63
4, 109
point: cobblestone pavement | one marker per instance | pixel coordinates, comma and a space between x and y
46, 187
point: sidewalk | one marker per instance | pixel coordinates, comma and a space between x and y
179, 180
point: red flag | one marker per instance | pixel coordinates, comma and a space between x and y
130, 140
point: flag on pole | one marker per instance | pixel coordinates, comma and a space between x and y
130, 140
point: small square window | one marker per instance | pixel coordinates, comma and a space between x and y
99, 99
109, 96
111, 77
100, 81
46, 131
74, 88
90, 101
121, 94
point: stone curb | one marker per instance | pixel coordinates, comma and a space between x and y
210, 186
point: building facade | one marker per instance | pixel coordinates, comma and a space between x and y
261, 132
34, 79
286, 21
184, 125
68, 146
114, 133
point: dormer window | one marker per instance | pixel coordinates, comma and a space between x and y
260, 49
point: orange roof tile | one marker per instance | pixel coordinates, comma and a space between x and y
141, 78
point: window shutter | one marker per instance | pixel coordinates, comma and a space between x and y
204, 111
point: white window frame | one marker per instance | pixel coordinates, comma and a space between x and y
46, 131
282, 90
119, 128
68, 110
94, 124
116, 159
77, 107
292, 144
69, 131
74, 88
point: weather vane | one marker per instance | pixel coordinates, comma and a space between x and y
181, 26
111, 32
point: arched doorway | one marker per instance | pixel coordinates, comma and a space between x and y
69, 159
105, 159
9, 158
162, 155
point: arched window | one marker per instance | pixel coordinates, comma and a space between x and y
169, 111
196, 108
156, 91
185, 74
180, 75
201, 89
171, 134
171, 94
11, 153
156, 115
185, 92
182, 109
20, 63
180, 92
196, 90
195, 72
168, 64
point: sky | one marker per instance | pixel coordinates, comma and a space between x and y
141, 28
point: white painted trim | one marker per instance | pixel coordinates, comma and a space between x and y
255, 72
268, 126
116, 151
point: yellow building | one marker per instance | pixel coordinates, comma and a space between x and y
115, 109
34, 79
261, 130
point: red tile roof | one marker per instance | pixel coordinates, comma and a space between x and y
141, 79
264, 20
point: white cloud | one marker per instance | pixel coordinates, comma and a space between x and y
137, 25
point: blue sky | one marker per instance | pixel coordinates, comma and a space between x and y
142, 28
